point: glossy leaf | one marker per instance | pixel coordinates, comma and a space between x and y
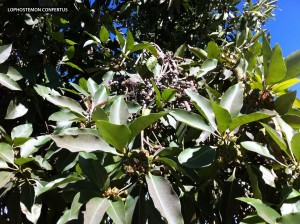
103, 34
276, 137
65, 102
204, 106
264, 211
180, 51
116, 211
73, 66
190, 119
223, 117
143, 122
164, 198
168, 94
129, 41
15, 110
95, 210
213, 50
83, 143
268, 176
5, 177
7, 153
119, 112
248, 118
284, 102
277, 68
197, 157
32, 145
116, 135
279, 87
232, 100
5, 52
207, 66
201, 54
8, 82
92, 86
80, 89
292, 65
22, 131
256, 147
289, 218
295, 143
100, 97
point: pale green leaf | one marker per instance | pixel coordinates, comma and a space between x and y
22, 131
164, 198
66, 102
119, 113
15, 109
116, 211
8, 82
95, 210
277, 68
5, 52
7, 152
232, 100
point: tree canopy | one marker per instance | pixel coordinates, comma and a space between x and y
147, 111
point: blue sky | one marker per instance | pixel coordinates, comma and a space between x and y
285, 29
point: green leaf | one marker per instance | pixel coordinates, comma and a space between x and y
32, 145
207, 66
254, 182
129, 41
223, 117
104, 35
5, 52
276, 137
92, 86
248, 118
164, 198
62, 115
277, 68
151, 62
204, 107
292, 120
292, 65
93, 37
93, 170
15, 109
264, 211
100, 97
70, 52
8, 82
7, 153
95, 210
99, 114
75, 207
201, 54
22, 131
5, 177
130, 205
232, 100
73, 66
279, 87
267, 176
119, 112
295, 146
180, 51
116, 135
213, 50
14, 74
80, 89
56, 183
116, 211
145, 45
157, 95
66, 102
120, 39
168, 94
83, 143
285, 102
289, 218
143, 122
190, 119
267, 53
197, 157
256, 147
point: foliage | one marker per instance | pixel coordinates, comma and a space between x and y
165, 111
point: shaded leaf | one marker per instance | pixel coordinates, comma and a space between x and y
100, 97
180, 51
284, 102
103, 34
295, 146
292, 65
5, 177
